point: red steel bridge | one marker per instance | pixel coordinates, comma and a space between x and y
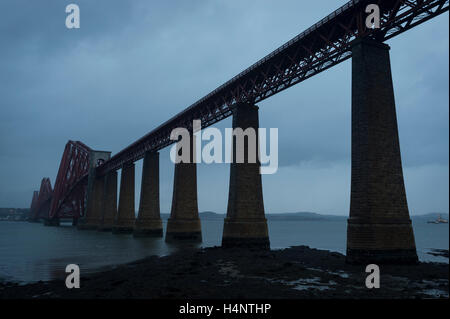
323, 45
68, 198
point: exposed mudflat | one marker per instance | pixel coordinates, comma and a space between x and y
296, 272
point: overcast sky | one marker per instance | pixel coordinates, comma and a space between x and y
134, 64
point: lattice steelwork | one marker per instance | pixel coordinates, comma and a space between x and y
33, 205
71, 183
320, 47
42, 203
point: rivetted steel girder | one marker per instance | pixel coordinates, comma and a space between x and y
33, 205
320, 47
71, 182
44, 196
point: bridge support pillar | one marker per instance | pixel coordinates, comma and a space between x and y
124, 222
245, 224
94, 206
109, 202
184, 222
379, 229
149, 221
95, 189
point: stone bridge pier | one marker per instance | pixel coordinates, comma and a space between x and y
124, 221
379, 227
245, 224
184, 222
149, 221
95, 190
109, 202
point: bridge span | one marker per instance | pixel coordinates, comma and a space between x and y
379, 225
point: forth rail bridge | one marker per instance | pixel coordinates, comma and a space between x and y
379, 226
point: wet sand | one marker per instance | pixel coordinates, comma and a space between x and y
293, 273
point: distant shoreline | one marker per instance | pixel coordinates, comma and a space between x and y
296, 216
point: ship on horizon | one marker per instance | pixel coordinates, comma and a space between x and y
438, 220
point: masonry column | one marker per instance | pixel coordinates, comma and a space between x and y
109, 202
124, 222
379, 229
245, 224
94, 207
149, 221
94, 196
184, 222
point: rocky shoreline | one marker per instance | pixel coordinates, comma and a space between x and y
214, 273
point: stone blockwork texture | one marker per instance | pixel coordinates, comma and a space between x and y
94, 206
149, 221
379, 227
109, 202
245, 224
124, 223
184, 221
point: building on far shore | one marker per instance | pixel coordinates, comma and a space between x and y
14, 214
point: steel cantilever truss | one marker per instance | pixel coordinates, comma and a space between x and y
71, 182
320, 47
40, 205
33, 205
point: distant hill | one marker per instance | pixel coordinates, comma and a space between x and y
203, 215
211, 215
283, 216
308, 216
208, 215
304, 216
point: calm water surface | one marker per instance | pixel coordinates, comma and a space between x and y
32, 252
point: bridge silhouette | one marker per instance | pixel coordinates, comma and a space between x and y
379, 225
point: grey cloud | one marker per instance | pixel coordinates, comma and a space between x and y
132, 65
